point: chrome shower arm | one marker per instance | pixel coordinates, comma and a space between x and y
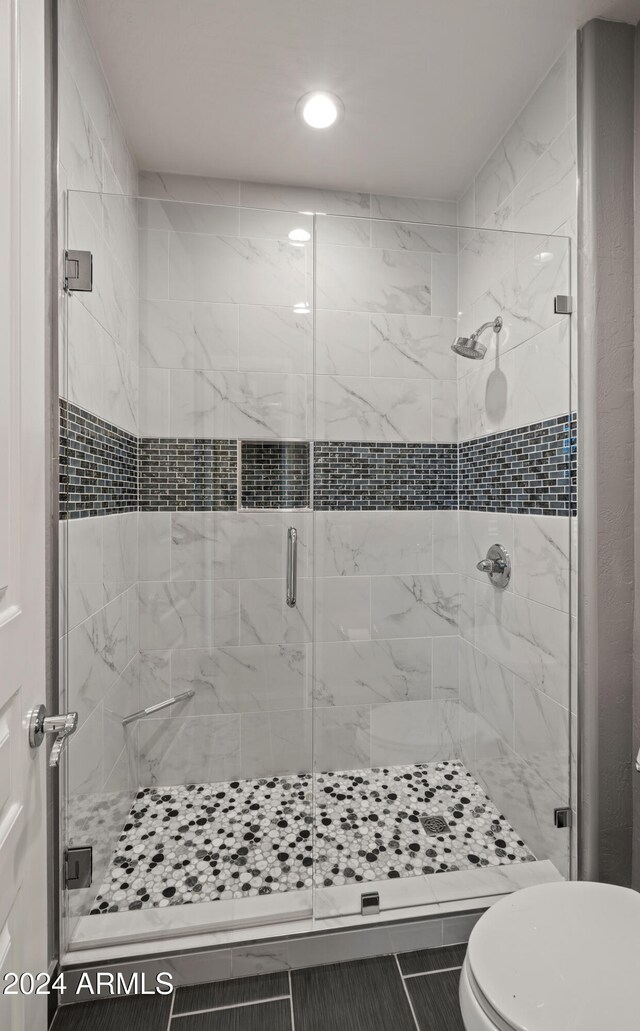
495, 324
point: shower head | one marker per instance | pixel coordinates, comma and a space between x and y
470, 347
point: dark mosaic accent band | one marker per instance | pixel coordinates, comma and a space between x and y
365, 476
527, 470
178, 474
98, 465
275, 474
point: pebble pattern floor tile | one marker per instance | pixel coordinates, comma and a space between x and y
202, 842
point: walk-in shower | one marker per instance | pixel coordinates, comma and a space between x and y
294, 685
471, 347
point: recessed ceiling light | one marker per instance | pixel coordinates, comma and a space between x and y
319, 110
299, 235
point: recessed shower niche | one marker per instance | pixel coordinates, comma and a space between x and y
275, 473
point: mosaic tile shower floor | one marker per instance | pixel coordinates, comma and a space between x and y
203, 842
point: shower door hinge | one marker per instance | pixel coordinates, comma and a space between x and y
562, 817
562, 304
78, 270
78, 867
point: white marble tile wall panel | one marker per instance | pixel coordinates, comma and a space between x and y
369, 543
341, 737
445, 670
196, 188
368, 672
177, 217
415, 606
236, 269
244, 679
415, 346
242, 404
345, 231
342, 343
487, 689
275, 339
188, 335
542, 735
444, 285
413, 236
276, 743
534, 130
188, 749
154, 403
176, 615
413, 209
542, 560
303, 199
97, 655
265, 617
363, 408
445, 541
374, 280
406, 732
530, 639
444, 411
343, 609
120, 552
82, 572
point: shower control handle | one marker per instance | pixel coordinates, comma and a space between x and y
497, 566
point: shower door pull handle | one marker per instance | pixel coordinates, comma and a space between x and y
292, 566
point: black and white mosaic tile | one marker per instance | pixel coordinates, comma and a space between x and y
203, 842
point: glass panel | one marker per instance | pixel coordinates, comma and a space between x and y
185, 431
436, 695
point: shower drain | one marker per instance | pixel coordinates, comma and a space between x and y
434, 824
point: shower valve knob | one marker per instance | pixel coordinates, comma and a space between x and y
497, 566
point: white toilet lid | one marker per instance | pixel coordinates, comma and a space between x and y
561, 957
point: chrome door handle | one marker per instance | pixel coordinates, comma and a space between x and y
63, 726
292, 566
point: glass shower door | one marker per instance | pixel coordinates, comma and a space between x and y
186, 465
441, 702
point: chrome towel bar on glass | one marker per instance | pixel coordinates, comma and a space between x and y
154, 708
292, 566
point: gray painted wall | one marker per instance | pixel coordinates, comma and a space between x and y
606, 445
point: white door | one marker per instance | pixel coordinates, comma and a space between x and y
23, 898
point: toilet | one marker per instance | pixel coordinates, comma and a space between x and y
555, 957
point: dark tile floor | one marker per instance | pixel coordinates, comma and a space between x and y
416, 991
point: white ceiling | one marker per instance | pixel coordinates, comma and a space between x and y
209, 87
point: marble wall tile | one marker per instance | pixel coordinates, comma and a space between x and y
192, 539
541, 559
415, 346
154, 672
341, 737
97, 654
154, 405
153, 271
196, 188
84, 759
83, 572
342, 343
229, 268
275, 339
176, 615
218, 404
81, 152
467, 207
122, 699
413, 209
542, 735
358, 408
485, 259
276, 743
375, 280
487, 689
303, 199
265, 616
344, 231
444, 412
532, 133
529, 639
188, 750
412, 606
343, 609
366, 543
119, 226
542, 200
445, 676
183, 217
366, 672
414, 236
242, 679
409, 732
445, 542
154, 546
253, 544
188, 335
119, 553
444, 285
83, 381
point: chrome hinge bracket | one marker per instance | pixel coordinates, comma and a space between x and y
78, 867
78, 270
562, 304
562, 817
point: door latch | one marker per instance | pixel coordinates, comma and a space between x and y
63, 726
